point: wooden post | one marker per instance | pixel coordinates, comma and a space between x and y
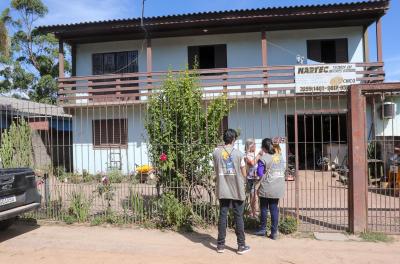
264, 51
358, 183
366, 44
379, 40
61, 59
264, 56
149, 62
73, 59
149, 56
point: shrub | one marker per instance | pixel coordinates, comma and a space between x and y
97, 220
69, 219
375, 237
107, 218
87, 177
60, 173
115, 176
174, 214
79, 207
54, 208
106, 190
288, 225
205, 212
182, 133
136, 205
16, 145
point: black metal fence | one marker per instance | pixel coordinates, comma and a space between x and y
97, 156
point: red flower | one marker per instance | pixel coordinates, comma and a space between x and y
105, 180
163, 157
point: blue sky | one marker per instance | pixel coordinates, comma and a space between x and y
70, 11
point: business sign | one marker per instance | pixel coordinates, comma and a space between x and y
325, 78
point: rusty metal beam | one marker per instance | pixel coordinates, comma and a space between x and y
358, 179
297, 180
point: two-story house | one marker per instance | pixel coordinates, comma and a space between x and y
281, 65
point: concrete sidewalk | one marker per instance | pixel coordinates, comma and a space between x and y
79, 244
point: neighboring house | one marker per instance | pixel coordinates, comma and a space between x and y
51, 130
262, 53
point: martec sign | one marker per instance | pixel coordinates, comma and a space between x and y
325, 78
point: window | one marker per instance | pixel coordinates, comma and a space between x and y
110, 132
115, 62
207, 57
328, 51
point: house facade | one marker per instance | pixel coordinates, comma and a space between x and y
275, 63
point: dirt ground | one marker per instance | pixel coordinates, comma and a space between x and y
78, 244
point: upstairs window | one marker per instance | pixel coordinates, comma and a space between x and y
328, 51
110, 132
115, 62
207, 57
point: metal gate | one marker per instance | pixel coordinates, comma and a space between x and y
383, 160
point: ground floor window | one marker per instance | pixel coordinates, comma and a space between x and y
110, 132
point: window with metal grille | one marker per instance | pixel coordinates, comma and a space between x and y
110, 132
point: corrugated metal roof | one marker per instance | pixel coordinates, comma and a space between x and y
29, 108
362, 6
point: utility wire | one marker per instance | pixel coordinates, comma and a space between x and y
142, 25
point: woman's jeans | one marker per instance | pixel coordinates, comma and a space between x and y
272, 205
238, 209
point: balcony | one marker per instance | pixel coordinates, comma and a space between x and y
235, 83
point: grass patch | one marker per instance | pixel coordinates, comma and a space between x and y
376, 237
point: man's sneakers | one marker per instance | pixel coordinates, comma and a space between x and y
243, 250
220, 248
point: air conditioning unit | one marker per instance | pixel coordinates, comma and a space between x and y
388, 110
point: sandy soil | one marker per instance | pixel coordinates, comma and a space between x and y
78, 244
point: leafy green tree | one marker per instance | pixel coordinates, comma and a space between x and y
32, 66
183, 130
4, 38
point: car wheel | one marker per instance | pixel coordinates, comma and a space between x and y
6, 223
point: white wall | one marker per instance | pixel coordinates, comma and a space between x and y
283, 46
243, 49
384, 127
85, 157
254, 118
84, 53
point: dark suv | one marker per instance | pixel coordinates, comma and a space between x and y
18, 194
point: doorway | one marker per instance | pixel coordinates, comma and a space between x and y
319, 136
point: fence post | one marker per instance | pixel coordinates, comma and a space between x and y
46, 190
357, 153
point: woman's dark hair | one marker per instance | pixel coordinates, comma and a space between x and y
268, 146
230, 135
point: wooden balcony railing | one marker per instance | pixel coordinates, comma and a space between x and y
245, 82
